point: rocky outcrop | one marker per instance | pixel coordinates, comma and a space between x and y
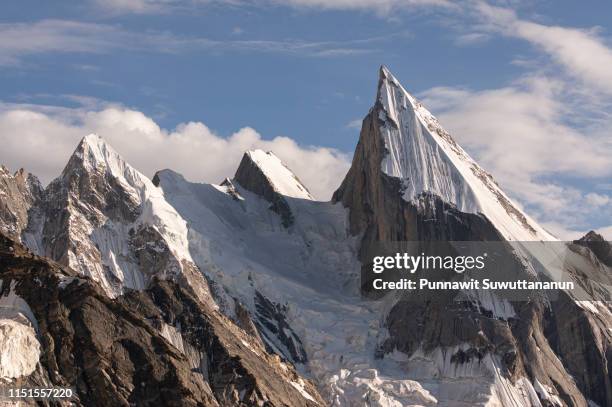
598, 245
265, 175
252, 178
271, 321
18, 193
161, 346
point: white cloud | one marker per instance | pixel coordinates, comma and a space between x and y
472, 38
19, 40
383, 6
158, 6
597, 200
522, 134
355, 124
606, 232
42, 141
581, 52
522, 126
132, 6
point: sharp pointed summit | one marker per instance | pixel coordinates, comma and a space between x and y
401, 139
264, 174
261, 167
94, 154
105, 219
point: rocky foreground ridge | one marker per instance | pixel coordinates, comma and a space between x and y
159, 346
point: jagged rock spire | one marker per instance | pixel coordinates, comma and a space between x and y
264, 174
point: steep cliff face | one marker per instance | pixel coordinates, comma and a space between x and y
18, 193
161, 346
410, 181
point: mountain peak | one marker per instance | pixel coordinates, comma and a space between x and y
280, 178
95, 148
264, 174
93, 144
94, 154
92, 139
385, 73
424, 158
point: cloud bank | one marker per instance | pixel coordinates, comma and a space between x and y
41, 139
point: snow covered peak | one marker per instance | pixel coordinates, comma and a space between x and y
385, 74
94, 143
115, 224
277, 174
427, 159
94, 154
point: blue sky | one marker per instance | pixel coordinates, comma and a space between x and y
525, 86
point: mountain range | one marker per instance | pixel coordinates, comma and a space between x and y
161, 291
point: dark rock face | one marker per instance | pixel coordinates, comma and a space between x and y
276, 331
18, 193
561, 345
251, 177
156, 347
598, 245
581, 341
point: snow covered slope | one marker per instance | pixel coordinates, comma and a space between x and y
106, 220
19, 344
265, 175
280, 177
427, 159
300, 285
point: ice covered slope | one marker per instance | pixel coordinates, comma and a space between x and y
427, 159
106, 220
299, 284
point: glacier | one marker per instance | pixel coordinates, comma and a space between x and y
311, 267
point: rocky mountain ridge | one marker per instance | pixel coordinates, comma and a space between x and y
159, 346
